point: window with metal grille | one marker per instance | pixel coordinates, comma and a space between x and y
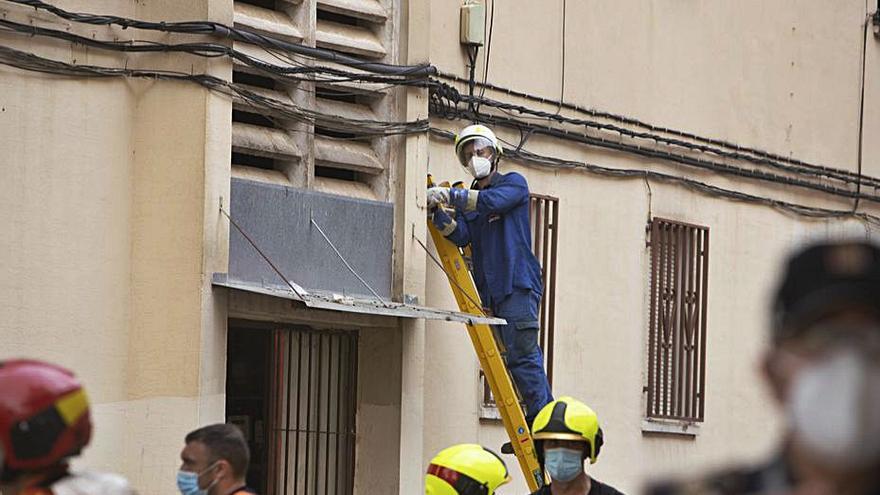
679, 281
543, 219
312, 410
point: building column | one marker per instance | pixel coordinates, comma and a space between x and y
410, 266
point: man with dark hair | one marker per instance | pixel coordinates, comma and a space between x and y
823, 368
215, 462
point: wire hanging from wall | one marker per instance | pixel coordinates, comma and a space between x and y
237, 34
528, 157
363, 127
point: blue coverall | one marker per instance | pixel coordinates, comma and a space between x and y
507, 274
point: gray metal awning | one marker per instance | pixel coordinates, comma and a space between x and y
353, 304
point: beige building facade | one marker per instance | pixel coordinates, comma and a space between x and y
118, 258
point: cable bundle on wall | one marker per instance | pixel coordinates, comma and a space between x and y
237, 34
299, 72
527, 157
598, 127
445, 101
31, 62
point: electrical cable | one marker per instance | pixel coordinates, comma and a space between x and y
651, 153
838, 174
862, 109
270, 43
562, 76
472, 67
211, 50
440, 105
488, 52
645, 125
237, 34
364, 127
528, 157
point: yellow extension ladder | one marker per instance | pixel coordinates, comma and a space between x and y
490, 358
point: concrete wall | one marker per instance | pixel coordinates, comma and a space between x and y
110, 195
780, 76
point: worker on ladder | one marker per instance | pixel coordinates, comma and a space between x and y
493, 217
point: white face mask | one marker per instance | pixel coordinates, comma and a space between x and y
479, 167
834, 408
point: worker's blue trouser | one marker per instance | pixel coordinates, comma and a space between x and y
523, 355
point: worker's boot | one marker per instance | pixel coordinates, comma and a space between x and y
507, 448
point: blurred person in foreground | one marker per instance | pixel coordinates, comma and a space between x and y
823, 368
44, 422
465, 469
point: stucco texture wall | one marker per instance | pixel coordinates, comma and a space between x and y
781, 76
107, 201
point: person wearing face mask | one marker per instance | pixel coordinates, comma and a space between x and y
45, 421
823, 368
465, 469
493, 217
214, 462
566, 434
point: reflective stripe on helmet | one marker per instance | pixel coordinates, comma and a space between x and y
72, 406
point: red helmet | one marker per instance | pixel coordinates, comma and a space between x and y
44, 416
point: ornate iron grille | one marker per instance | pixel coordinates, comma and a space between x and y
677, 335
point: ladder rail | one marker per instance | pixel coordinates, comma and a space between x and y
494, 368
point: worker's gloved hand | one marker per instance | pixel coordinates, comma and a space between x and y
444, 223
437, 196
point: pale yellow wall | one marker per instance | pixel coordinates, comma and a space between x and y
110, 192
736, 71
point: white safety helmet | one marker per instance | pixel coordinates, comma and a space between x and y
479, 137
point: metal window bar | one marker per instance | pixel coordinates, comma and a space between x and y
314, 406
543, 220
544, 216
677, 327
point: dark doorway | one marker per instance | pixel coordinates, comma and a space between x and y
247, 394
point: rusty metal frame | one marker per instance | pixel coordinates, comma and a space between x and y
676, 387
544, 216
544, 221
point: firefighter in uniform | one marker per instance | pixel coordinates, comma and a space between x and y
45, 421
566, 434
465, 469
823, 368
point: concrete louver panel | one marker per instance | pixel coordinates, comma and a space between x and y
369, 10
368, 89
344, 109
239, 103
263, 141
267, 22
349, 39
348, 155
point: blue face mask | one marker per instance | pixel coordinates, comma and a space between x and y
563, 464
188, 482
